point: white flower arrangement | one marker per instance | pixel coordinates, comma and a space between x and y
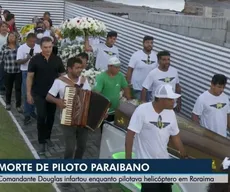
91, 74
81, 26
68, 51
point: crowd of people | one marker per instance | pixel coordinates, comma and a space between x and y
40, 77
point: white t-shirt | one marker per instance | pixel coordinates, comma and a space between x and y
3, 40
47, 33
59, 87
157, 77
103, 53
141, 65
151, 139
23, 52
213, 112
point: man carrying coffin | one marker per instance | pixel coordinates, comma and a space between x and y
212, 108
152, 124
110, 83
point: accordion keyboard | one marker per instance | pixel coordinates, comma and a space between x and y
66, 118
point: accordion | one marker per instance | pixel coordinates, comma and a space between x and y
84, 108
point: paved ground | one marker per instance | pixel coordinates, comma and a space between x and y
56, 152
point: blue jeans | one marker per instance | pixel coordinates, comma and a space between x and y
137, 95
28, 109
2, 75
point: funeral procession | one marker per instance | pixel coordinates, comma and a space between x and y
92, 85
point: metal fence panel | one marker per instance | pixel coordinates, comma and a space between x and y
195, 60
25, 10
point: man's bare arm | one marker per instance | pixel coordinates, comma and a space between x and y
195, 118
23, 61
179, 145
51, 99
87, 46
127, 93
129, 144
29, 82
228, 122
178, 88
143, 94
129, 74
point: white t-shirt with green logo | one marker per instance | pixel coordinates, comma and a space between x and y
157, 77
142, 64
152, 131
213, 112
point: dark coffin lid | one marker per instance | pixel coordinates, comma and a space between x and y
192, 134
127, 108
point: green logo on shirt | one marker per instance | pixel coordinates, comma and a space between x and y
148, 62
218, 105
110, 53
167, 79
159, 123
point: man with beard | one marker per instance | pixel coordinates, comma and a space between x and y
72, 135
103, 51
140, 64
150, 127
163, 74
212, 109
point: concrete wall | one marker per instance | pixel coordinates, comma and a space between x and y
209, 29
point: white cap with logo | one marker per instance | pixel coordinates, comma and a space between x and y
166, 91
114, 61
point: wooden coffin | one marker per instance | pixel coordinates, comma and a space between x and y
200, 143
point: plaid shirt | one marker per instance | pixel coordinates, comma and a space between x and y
8, 58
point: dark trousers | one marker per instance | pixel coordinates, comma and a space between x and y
13, 79
2, 77
156, 187
110, 118
45, 118
75, 141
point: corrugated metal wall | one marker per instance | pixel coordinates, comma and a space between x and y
196, 61
25, 10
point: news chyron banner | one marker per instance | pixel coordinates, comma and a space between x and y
109, 171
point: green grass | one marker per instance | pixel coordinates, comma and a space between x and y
12, 146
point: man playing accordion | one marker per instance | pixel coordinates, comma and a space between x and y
72, 135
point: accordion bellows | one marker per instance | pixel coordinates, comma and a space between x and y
84, 108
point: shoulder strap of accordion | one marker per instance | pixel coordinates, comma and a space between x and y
67, 81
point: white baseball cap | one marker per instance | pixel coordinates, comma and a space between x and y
114, 61
166, 91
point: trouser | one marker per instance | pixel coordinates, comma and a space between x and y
137, 95
45, 118
75, 141
2, 75
156, 187
110, 118
28, 109
13, 79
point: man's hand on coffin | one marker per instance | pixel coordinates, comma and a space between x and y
61, 103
